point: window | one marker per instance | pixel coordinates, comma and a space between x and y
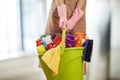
33, 17
21, 23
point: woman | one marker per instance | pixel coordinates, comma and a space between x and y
66, 13
69, 14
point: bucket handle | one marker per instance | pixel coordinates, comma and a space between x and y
63, 41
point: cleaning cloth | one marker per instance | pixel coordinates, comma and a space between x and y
52, 58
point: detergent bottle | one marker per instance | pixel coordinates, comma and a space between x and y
40, 47
56, 40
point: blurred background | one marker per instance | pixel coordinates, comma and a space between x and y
23, 21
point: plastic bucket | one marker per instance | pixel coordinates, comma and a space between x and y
71, 63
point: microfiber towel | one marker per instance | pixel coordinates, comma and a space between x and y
52, 58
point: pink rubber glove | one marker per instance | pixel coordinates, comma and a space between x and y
77, 14
62, 13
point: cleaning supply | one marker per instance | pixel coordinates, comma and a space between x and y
52, 58
38, 42
42, 36
44, 43
57, 40
49, 46
88, 50
70, 42
48, 41
70, 66
80, 38
41, 49
53, 36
